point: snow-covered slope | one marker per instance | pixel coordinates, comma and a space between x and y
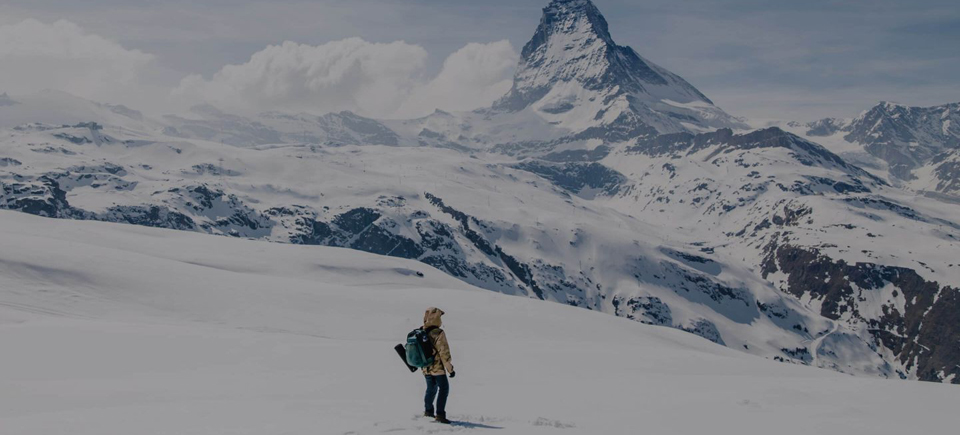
344, 128
123, 329
533, 228
846, 244
674, 230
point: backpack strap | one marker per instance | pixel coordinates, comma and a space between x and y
427, 331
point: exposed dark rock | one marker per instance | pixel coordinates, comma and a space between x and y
576, 177
948, 176
801, 354
378, 240
518, 268
147, 215
737, 304
44, 197
648, 309
313, 232
705, 329
7, 162
79, 140
855, 186
593, 155
923, 336
700, 263
215, 170
357, 220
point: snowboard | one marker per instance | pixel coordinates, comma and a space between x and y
403, 355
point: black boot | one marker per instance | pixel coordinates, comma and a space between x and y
428, 414
442, 418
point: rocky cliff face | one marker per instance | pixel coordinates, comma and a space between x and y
910, 318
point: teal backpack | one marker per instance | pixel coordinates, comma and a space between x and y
419, 347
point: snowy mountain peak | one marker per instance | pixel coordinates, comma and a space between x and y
573, 74
573, 44
890, 105
570, 15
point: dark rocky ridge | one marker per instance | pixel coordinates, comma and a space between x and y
577, 177
923, 335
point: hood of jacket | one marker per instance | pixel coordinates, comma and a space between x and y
432, 317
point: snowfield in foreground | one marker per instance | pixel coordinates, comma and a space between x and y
118, 329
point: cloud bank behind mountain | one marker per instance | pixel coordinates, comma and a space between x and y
384, 80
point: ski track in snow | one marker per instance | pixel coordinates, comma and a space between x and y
815, 344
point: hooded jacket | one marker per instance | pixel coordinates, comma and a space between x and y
442, 363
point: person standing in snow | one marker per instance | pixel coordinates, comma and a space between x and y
436, 374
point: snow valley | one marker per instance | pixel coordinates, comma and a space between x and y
600, 181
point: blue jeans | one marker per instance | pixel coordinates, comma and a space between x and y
435, 383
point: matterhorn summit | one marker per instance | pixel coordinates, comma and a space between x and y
573, 74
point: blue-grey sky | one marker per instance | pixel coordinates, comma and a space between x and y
758, 58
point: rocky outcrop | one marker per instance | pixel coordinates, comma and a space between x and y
579, 178
918, 320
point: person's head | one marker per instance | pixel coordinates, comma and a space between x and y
432, 317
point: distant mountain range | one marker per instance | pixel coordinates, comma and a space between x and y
915, 146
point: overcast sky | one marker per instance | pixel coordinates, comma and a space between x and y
389, 58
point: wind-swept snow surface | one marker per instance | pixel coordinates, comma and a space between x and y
110, 329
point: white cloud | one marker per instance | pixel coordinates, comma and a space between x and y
36, 56
351, 74
378, 80
384, 80
472, 77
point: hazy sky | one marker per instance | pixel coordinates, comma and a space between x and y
769, 58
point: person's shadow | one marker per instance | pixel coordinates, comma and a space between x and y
470, 425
